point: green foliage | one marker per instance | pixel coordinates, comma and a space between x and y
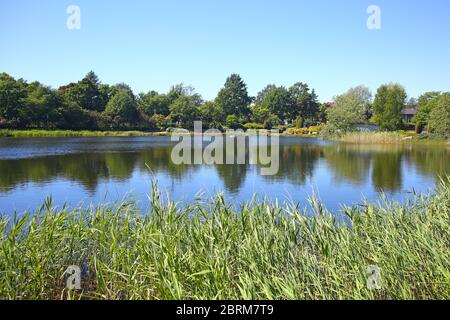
348, 109
180, 90
271, 121
278, 101
212, 250
72, 117
12, 95
122, 105
439, 120
160, 122
211, 115
233, 98
322, 115
153, 103
306, 102
425, 104
184, 111
253, 126
233, 122
315, 130
87, 93
387, 106
89, 104
418, 127
42, 106
299, 122
262, 94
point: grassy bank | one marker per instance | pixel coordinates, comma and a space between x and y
260, 251
69, 133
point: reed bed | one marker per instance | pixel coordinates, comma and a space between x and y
212, 250
374, 137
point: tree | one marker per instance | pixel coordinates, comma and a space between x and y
180, 90
232, 122
233, 98
425, 104
439, 120
278, 101
348, 109
40, 106
12, 95
70, 116
260, 112
388, 105
262, 94
122, 105
86, 93
185, 111
306, 102
322, 116
211, 115
153, 103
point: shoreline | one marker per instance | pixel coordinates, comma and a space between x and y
386, 138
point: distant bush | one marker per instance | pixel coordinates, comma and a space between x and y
159, 121
418, 128
232, 122
439, 122
271, 121
299, 122
254, 126
280, 128
310, 130
314, 129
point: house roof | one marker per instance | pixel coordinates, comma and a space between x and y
409, 111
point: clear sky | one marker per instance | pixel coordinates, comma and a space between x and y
153, 44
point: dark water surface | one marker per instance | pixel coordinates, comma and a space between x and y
94, 170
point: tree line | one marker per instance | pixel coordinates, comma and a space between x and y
91, 105
385, 110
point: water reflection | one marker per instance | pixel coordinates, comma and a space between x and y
390, 169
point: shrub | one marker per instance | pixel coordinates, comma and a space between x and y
439, 123
310, 130
254, 126
232, 122
159, 121
418, 127
271, 121
299, 122
281, 128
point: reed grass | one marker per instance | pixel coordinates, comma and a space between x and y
396, 137
373, 137
212, 250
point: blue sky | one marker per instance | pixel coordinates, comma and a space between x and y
153, 44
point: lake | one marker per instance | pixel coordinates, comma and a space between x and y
97, 170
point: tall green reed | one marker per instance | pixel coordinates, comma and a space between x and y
213, 250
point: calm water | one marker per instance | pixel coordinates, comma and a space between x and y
93, 170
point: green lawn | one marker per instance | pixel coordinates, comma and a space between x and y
70, 133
